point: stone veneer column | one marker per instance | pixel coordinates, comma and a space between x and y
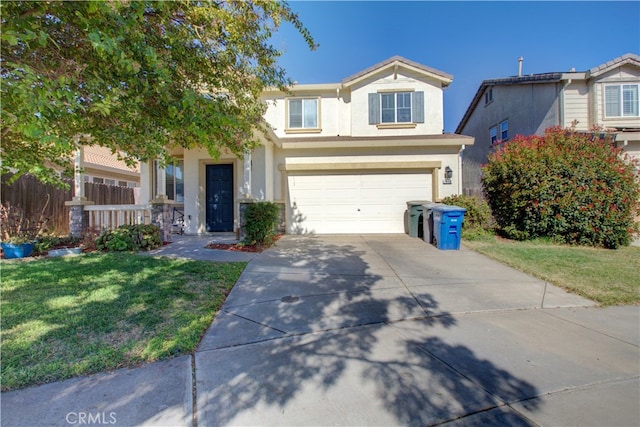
78, 216
242, 234
161, 216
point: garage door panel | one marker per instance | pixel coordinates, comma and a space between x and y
354, 203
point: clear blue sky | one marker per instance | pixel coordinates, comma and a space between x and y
473, 40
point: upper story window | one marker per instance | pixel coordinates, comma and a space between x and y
401, 107
621, 100
395, 107
488, 96
303, 113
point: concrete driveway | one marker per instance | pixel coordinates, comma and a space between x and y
386, 330
376, 330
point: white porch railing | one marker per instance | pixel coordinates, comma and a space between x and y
110, 217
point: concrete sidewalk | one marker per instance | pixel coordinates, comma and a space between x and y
374, 330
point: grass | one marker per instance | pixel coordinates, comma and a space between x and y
70, 316
609, 277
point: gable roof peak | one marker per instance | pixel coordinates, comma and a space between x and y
627, 58
441, 76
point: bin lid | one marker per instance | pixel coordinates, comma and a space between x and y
448, 208
417, 202
430, 205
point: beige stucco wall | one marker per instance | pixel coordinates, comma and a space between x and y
446, 156
404, 80
334, 112
344, 111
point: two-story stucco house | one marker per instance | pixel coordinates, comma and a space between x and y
604, 96
343, 157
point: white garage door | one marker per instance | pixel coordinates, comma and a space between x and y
354, 203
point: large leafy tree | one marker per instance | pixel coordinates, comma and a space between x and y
139, 77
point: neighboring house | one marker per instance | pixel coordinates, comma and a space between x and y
343, 157
103, 167
604, 96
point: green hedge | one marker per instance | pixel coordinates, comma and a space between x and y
572, 187
140, 237
477, 219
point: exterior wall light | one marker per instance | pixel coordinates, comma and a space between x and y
448, 174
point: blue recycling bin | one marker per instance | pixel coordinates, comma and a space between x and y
447, 226
414, 210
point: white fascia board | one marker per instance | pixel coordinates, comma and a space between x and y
310, 143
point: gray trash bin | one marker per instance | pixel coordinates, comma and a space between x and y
427, 220
414, 209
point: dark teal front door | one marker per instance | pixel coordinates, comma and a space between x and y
219, 198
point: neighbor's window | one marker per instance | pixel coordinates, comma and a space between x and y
488, 95
303, 113
621, 100
504, 130
493, 134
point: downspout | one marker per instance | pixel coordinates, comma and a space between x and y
461, 175
338, 111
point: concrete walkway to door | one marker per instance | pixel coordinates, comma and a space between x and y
374, 330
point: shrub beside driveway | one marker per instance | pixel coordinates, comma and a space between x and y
609, 277
64, 317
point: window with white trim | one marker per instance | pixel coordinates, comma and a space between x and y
303, 113
493, 134
396, 107
504, 130
174, 180
621, 100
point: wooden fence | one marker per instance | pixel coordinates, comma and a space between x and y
30, 194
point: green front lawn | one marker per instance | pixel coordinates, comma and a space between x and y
63, 317
609, 277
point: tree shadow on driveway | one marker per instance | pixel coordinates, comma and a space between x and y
337, 357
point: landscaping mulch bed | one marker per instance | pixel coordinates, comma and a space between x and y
234, 247
239, 247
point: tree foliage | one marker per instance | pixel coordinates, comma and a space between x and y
139, 77
571, 186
